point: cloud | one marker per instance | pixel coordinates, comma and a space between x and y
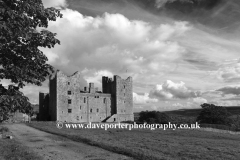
235, 90
228, 73
199, 100
142, 99
161, 3
226, 103
171, 90
177, 105
95, 77
54, 3
115, 43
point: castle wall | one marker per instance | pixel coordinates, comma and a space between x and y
124, 97
69, 103
43, 106
53, 98
73, 105
109, 86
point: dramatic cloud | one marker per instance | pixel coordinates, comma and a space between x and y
161, 3
199, 100
54, 3
194, 41
92, 76
115, 43
171, 90
142, 99
235, 90
228, 72
226, 103
177, 105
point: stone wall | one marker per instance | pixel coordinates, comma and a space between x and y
53, 97
44, 106
69, 102
75, 105
122, 98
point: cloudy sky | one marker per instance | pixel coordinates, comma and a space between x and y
180, 53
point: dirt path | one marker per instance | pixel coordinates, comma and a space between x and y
53, 147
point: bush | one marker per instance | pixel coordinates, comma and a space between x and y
212, 114
154, 117
4, 129
178, 119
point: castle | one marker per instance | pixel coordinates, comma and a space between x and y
67, 102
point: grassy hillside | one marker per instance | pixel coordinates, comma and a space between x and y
154, 144
193, 112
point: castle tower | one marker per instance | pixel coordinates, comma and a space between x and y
122, 97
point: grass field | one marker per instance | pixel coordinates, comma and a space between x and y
158, 144
10, 149
194, 112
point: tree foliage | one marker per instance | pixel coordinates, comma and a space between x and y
154, 117
20, 36
11, 100
22, 32
212, 114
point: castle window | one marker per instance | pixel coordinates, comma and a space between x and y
69, 110
84, 100
124, 86
77, 117
69, 92
100, 117
97, 110
80, 107
91, 110
69, 101
81, 117
68, 83
104, 100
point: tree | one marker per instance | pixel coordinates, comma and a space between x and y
154, 117
21, 61
20, 36
212, 114
11, 100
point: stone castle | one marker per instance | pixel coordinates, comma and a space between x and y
68, 102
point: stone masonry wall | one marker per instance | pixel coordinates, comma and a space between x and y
69, 103
124, 98
53, 97
43, 106
75, 106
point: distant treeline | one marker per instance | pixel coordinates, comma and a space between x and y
209, 116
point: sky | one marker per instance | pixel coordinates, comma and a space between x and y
180, 53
